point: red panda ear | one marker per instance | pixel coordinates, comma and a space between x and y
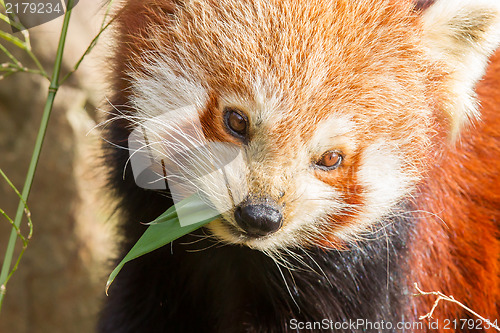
461, 35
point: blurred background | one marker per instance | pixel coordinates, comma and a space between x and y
61, 279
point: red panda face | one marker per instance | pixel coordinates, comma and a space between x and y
327, 110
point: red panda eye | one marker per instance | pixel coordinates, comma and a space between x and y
236, 122
330, 160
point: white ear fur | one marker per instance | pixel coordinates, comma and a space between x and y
462, 34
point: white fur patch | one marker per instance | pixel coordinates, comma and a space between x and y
336, 132
385, 179
166, 87
172, 148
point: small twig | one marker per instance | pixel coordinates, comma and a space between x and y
25, 240
13, 40
11, 221
23, 45
14, 22
29, 51
10, 55
10, 68
93, 43
451, 299
27, 212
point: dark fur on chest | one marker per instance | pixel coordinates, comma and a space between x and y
197, 285
234, 289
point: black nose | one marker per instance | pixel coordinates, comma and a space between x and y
259, 219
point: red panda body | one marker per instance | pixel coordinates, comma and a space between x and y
456, 247
363, 164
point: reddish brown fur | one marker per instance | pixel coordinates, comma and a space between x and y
456, 247
212, 123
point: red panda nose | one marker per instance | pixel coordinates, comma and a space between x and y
259, 219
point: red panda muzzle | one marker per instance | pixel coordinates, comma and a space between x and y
259, 217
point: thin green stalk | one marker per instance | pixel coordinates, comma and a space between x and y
87, 51
3, 76
6, 19
26, 46
25, 240
32, 55
93, 43
18, 231
12, 39
54, 86
10, 55
14, 22
13, 68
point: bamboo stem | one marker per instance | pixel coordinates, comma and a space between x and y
54, 86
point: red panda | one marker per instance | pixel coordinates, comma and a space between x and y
368, 136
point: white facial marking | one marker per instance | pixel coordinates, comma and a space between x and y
336, 132
383, 175
165, 88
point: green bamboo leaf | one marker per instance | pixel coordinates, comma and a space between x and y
167, 228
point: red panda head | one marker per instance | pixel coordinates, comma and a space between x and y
328, 109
